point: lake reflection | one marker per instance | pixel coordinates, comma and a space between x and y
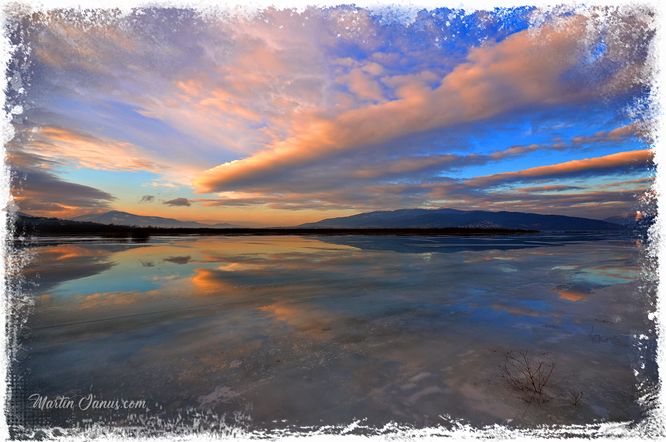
327, 330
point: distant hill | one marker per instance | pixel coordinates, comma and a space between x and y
446, 218
27, 226
129, 219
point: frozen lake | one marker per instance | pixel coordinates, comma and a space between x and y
272, 331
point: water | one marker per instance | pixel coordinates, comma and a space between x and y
272, 331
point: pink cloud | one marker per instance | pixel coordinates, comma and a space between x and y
85, 150
525, 68
363, 85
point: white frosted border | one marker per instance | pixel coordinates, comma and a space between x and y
653, 427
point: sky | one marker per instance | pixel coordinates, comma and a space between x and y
283, 117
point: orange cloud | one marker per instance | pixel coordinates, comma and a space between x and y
614, 135
525, 68
57, 144
363, 85
608, 163
223, 102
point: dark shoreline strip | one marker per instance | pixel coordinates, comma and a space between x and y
138, 232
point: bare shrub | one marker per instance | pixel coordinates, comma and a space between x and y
575, 397
528, 375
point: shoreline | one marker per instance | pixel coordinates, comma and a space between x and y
113, 231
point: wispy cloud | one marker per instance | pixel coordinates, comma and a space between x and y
147, 199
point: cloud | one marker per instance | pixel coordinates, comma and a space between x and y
147, 199
435, 163
178, 202
535, 67
593, 204
610, 136
39, 192
609, 164
363, 85
550, 188
584, 201
556, 195
639, 182
84, 150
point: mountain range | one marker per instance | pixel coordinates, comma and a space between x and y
119, 218
443, 218
394, 219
